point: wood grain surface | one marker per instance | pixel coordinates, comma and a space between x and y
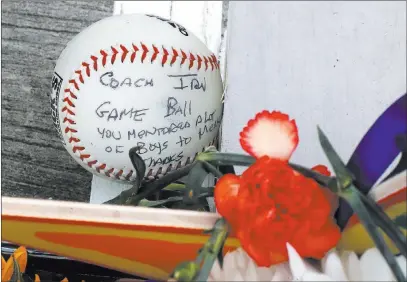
34, 33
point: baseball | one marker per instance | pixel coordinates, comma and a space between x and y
136, 80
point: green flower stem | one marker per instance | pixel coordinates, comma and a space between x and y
200, 269
194, 182
323, 180
129, 197
213, 249
352, 196
153, 204
196, 177
174, 187
226, 159
386, 224
185, 272
158, 185
212, 169
230, 159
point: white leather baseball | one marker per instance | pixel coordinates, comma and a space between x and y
133, 80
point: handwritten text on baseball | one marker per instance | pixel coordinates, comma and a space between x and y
175, 115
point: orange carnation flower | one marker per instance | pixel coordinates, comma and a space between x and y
271, 204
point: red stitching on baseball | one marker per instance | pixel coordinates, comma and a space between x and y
77, 148
211, 62
174, 56
145, 51
165, 57
74, 140
154, 56
206, 62
87, 69
113, 59
95, 62
199, 62
133, 56
194, 60
83, 157
107, 173
127, 177
102, 166
184, 57
73, 81
70, 93
69, 121
104, 57
125, 52
65, 109
67, 100
68, 129
119, 174
191, 60
80, 75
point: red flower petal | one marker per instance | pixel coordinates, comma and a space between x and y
225, 195
322, 170
270, 134
269, 205
316, 245
264, 256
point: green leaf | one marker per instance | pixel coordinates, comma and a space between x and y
151, 187
140, 169
401, 221
213, 249
224, 169
326, 181
352, 196
220, 255
226, 159
230, 159
386, 224
175, 187
206, 192
212, 169
185, 272
138, 164
194, 182
159, 184
343, 176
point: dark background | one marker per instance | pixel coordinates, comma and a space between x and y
34, 162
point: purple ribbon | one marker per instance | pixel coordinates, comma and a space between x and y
376, 151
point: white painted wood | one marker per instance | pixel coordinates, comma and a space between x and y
336, 64
204, 19
103, 189
158, 8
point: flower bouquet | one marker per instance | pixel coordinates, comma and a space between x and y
293, 223
287, 218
